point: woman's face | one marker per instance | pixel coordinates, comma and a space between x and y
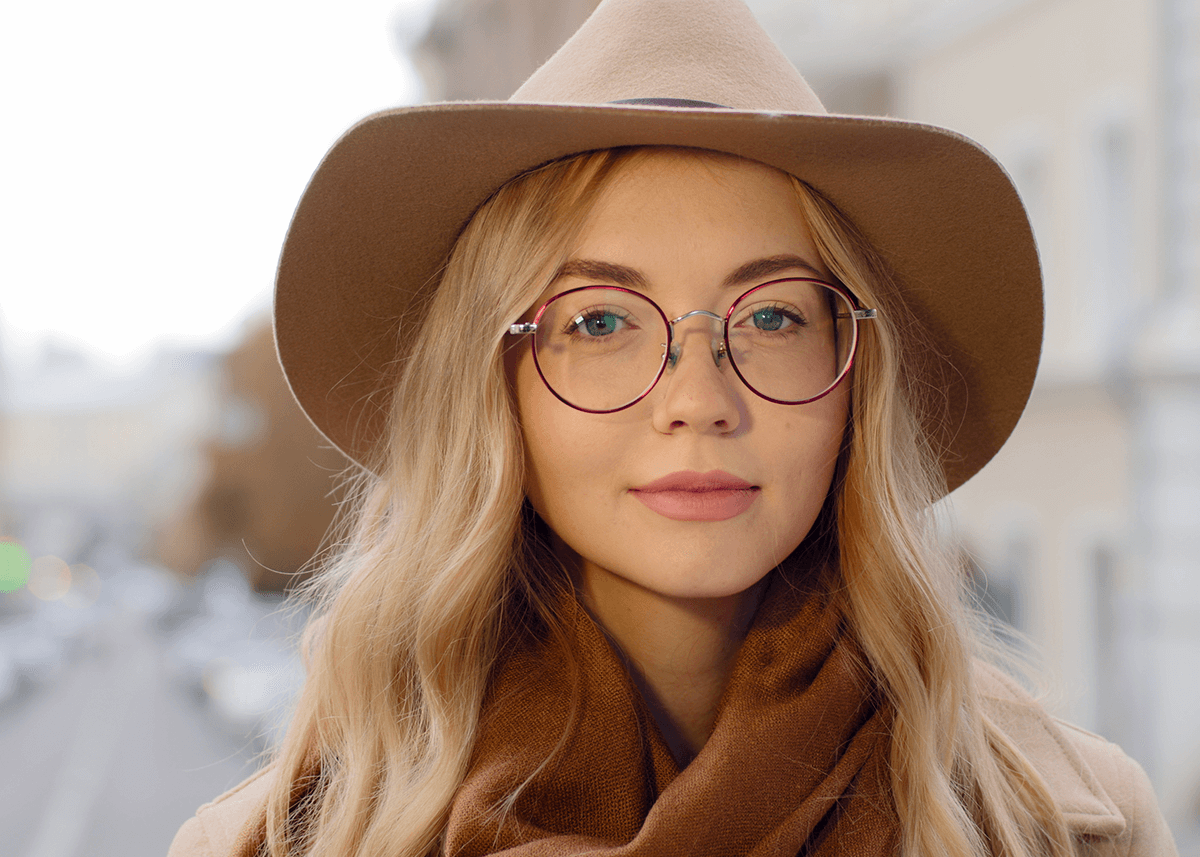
683, 230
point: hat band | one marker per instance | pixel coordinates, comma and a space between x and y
670, 102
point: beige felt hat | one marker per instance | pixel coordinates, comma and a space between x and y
385, 206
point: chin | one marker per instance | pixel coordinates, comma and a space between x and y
702, 583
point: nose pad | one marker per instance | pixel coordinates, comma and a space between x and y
716, 345
716, 341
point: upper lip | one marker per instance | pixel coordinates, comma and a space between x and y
690, 480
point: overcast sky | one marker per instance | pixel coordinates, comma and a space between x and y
153, 153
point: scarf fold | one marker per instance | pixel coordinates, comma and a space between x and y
797, 762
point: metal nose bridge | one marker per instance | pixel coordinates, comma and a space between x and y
716, 341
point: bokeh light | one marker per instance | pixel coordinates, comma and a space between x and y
49, 578
14, 566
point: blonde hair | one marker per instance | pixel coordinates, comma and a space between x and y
439, 562
960, 785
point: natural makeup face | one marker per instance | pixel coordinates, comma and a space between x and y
629, 494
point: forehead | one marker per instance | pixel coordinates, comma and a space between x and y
695, 213
697, 172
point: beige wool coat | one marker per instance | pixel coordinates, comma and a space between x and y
1104, 795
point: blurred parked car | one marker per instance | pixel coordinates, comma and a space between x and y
236, 655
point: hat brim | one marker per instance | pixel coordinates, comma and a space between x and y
384, 208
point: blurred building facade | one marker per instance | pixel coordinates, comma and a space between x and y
94, 457
267, 492
195, 458
1086, 528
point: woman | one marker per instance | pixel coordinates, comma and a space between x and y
653, 400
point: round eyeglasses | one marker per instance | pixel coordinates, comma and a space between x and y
601, 349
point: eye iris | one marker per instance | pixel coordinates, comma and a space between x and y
768, 319
600, 325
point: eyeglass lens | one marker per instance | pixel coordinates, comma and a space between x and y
601, 349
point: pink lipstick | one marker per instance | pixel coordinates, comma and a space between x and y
691, 496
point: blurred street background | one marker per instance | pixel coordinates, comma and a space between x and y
160, 493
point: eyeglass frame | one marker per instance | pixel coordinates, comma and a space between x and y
858, 313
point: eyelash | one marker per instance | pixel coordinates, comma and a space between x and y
571, 328
785, 310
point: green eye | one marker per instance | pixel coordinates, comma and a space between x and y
768, 319
601, 324
598, 323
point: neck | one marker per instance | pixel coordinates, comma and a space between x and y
680, 651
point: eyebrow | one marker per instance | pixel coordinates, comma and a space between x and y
632, 278
762, 268
590, 269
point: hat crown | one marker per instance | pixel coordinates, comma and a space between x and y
697, 50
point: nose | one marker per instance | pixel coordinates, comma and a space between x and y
716, 336
697, 393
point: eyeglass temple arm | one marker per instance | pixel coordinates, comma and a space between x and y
522, 328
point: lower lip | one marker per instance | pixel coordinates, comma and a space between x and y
699, 505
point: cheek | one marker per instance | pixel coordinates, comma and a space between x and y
814, 442
565, 460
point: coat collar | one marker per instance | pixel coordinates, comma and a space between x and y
1046, 743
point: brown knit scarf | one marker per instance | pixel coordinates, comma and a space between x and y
796, 764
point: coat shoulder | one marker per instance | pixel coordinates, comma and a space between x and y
1104, 795
1126, 783
221, 826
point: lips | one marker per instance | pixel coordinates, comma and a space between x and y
691, 496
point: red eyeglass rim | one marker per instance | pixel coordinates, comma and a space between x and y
839, 289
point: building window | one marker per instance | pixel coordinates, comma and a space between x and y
1109, 220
